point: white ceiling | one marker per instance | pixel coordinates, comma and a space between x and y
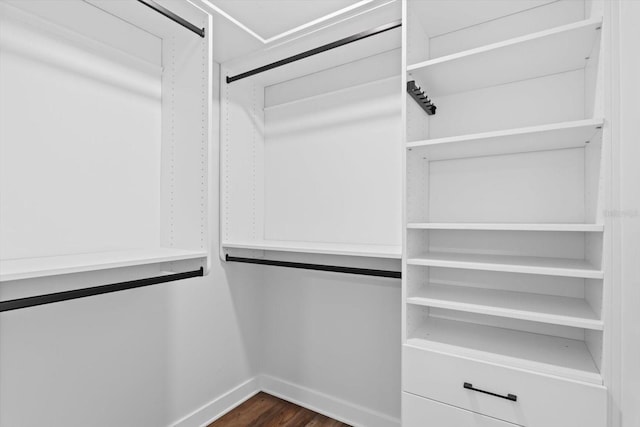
241, 27
271, 18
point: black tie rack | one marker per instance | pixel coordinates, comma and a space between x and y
419, 96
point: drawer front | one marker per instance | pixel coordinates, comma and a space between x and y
540, 401
419, 412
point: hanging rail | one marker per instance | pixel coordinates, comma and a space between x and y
317, 50
15, 304
175, 18
317, 267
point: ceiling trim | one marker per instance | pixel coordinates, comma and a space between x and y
292, 31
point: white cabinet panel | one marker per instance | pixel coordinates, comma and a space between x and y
542, 401
419, 412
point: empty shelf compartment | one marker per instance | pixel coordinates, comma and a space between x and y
556, 136
543, 53
568, 358
507, 263
559, 310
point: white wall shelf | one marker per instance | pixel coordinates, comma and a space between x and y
574, 312
27, 268
547, 52
125, 161
505, 189
563, 357
513, 264
283, 186
372, 251
556, 136
589, 228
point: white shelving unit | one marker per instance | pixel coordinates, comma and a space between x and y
118, 113
565, 267
595, 228
504, 189
296, 176
28, 268
520, 58
556, 136
558, 356
374, 251
575, 312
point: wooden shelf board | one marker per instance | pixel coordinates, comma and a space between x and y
540, 353
373, 251
595, 228
26, 268
574, 312
513, 264
572, 134
539, 54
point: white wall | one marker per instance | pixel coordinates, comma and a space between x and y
153, 356
59, 146
143, 357
335, 334
331, 341
165, 354
629, 218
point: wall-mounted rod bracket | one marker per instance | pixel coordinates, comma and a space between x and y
317, 50
317, 267
419, 96
175, 18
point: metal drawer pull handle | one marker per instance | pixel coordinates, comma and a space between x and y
511, 397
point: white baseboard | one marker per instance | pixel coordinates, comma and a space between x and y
219, 406
341, 410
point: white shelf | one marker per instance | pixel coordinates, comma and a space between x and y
512, 264
574, 312
573, 134
372, 251
588, 228
541, 353
26, 268
543, 53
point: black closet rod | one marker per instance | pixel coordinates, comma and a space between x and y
15, 304
318, 267
175, 18
317, 50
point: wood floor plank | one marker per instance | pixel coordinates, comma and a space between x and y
278, 415
265, 410
247, 412
323, 421
301, 418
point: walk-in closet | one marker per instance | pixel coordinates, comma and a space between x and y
297, 213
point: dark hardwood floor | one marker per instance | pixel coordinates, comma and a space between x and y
264, 410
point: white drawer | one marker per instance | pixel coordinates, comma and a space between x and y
419, 412
542, 401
